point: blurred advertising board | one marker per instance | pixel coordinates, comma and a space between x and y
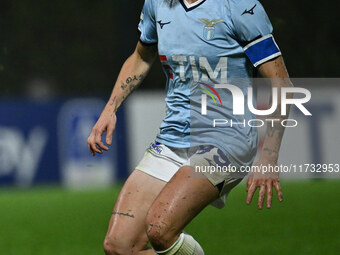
45, 142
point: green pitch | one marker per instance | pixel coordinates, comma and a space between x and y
53, 221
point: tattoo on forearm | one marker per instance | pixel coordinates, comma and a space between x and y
270, 151
132, 88
124, 214
112, 103
130, 79
123, 86
131, 82
113, 100
276, 128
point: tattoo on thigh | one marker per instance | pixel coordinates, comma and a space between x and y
124, 214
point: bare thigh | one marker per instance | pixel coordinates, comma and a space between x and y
177, 204
127, 224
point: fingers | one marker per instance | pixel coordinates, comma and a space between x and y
109, 134
99, 144
250, 180
93, 148
262, 194
265, 182
265, 185
251, 191
95, 143
90, 148
91, 145
269, 193
278, 189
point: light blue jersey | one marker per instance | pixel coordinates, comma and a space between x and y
202, 44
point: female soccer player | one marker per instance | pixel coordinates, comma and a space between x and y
201, 44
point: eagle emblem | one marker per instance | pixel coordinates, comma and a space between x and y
209, 29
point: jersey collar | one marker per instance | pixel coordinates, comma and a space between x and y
189, 7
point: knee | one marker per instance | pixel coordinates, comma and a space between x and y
112, 246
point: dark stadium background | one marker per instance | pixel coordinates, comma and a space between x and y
68, 49
79, 46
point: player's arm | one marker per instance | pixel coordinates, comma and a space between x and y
130, 77
276, 71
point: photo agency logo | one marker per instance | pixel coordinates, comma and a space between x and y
276, 113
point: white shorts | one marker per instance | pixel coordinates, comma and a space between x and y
162, 162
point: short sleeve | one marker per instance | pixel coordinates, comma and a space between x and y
253, 30
147, 24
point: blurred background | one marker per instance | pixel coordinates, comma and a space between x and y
58, 63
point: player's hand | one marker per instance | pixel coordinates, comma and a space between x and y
265, 181
106, 123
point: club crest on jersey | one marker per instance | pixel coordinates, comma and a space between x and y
209, 29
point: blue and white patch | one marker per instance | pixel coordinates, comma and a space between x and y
209, 33
262, 50
209, 29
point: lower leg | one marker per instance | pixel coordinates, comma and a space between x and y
177, 204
